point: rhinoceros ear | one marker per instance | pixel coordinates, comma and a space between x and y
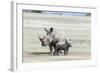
51, 29
45, 29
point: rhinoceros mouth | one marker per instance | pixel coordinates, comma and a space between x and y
43, 44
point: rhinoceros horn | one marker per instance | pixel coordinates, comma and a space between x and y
40, 38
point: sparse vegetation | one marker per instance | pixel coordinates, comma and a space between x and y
76, 28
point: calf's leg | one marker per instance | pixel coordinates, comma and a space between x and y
65, 52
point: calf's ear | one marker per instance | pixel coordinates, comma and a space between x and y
70, 45
69, 40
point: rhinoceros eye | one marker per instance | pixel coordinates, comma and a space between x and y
44, 37
48, 40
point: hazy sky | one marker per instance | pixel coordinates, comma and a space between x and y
65, 13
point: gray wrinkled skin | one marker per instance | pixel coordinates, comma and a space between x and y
55, 39
61, 45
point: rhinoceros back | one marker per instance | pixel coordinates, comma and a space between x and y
58, 35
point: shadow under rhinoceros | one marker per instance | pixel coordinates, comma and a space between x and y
39, 53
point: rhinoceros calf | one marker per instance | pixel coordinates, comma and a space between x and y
62, 45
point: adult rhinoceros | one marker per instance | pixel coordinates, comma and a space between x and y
53, 38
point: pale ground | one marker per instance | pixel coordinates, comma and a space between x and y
76, 27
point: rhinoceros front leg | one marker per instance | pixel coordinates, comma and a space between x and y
56, 51
51, 49
65, 52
